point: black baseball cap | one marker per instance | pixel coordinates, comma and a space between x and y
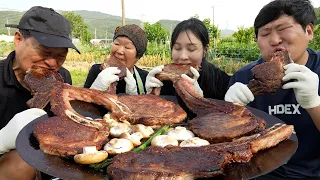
47, 26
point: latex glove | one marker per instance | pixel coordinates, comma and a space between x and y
152, 81
131, 86
194, 80
239, 93
9, 133
105, 78
305, 86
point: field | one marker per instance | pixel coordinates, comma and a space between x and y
79, 64
80, 68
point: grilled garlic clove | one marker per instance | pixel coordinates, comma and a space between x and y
181, 133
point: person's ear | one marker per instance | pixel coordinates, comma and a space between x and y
17, 38
309, 31
205, 50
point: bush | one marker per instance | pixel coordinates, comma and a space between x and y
6, 48
246, 52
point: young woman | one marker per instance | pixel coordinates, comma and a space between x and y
189, 44
129, 45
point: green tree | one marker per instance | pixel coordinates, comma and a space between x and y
213, 31
244, 35
78, 28
315, 43
155, 32
317, 10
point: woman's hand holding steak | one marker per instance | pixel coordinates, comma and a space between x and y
105, 78
194, 80
152, 81
131, 85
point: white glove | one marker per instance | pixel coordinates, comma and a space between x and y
194, 80
105, 78
9, 133
151, 81
305, 86
239, 93
131, 86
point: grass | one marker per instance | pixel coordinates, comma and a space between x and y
79, 69
78, 77
80, 64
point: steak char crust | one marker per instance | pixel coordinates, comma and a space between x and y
267, 77
68, 131
112, 61
193, 162
217, 121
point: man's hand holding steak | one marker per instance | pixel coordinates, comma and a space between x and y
9, 133
239, 93
305, 85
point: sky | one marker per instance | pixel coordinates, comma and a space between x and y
228, 14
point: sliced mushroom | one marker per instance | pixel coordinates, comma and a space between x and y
146, 131
109, 120
181, 133
118, 146
90, 155
194, 142
135, 138
120, 128
164, 140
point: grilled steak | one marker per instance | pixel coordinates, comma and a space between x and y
62, 137
267, 77
129, 108
217, 121
221, 127
193, 162
152, 110
112, 61
67, 132
172, 72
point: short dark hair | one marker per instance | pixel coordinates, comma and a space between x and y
302, 12
196, 26
25, 33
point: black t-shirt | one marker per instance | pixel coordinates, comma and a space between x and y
121, 86
305, 163
13, 96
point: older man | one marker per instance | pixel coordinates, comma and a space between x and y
42, 39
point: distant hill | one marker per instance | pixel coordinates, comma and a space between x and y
99, 24
102, 25
12, 17
169, 24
